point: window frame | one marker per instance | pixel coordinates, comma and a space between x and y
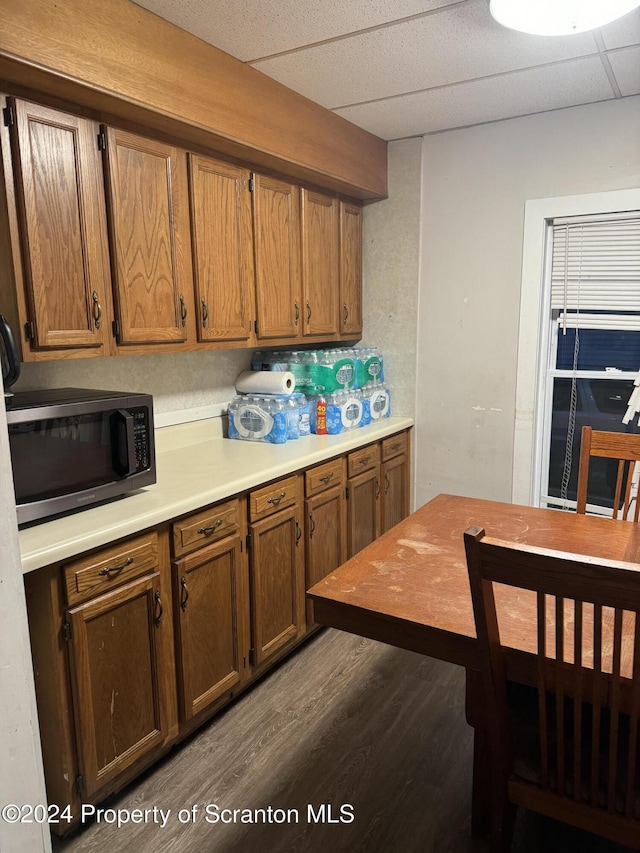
535, 330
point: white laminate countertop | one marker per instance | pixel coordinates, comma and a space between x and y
195, 467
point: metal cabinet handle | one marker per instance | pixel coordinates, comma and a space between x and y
364, 461
298, 532
97, 309
308, 311
207, 531
327, 477
312, 525
377, 488
346, 312
183, 311
297, 314
115, 569
184, 593
276, 501
205, 311
387, 484
157, 621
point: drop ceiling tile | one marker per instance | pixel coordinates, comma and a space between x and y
534, 90
255, 28
456, 44
626, 67
623, 32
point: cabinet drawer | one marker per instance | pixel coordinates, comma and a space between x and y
363, 459
394, 446
324, 477
95, 575
264, 502
205, 527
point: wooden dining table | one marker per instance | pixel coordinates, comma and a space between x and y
410, 589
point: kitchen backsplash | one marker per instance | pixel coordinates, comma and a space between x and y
178, 382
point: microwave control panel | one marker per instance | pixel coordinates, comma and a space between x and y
141, 437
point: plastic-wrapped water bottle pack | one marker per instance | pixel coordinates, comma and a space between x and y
325, 371
269, 417
336, 390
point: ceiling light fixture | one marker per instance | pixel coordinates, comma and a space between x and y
558, 17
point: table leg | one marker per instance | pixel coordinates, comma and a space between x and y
481, 791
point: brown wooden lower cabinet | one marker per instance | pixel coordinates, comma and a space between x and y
210, 599
122, 638
277, 583
325, 523
103, 652
363, 497
395, 491
326, 533
394, 471
116, 661
364, 509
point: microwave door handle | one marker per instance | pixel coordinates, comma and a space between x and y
123, 439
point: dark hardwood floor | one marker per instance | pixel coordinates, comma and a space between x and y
344, 721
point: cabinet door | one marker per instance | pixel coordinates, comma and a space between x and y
222, 248
208, 595
276, 224
148, 216
319, 263
277, 582
326, 525
64, 230
117, 677
350, 269
395, 491
363, 509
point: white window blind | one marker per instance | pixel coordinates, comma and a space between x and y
594, 348
596, 265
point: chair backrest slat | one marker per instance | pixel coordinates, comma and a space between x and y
577, 701
616, 499
596, 702
542, 691
559, 690
614, 719
634, 716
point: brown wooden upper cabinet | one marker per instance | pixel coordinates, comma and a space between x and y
350, 269
188, 251
149, 228
63, 297
276, 225
320, 238
222, 249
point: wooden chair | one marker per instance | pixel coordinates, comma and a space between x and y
624, 447
566, 746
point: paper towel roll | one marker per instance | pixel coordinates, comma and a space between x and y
265, 382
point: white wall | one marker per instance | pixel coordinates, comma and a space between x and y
475, 183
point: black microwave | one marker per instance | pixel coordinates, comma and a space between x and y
74, 447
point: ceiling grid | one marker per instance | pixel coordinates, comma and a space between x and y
401, 68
